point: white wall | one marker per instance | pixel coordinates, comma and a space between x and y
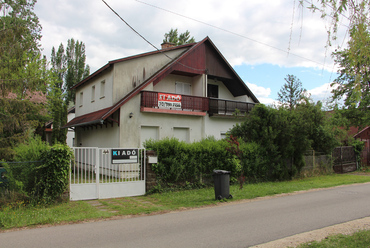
98, 136
131, 73
214, 126
88, 105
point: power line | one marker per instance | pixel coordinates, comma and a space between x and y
231, 32
172, 59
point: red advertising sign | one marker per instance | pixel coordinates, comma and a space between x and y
166, 100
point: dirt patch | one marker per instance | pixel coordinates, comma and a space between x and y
319, 234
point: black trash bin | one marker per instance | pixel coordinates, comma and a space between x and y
222, 184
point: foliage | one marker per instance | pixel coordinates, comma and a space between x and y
179, 162
20, 61
68, 67
17, 119
40, 172
353, 83
52, 176
23, 74
278, 138
358, 146
173, 37
291, 92
322, 130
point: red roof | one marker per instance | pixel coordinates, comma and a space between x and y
363, 134
88, 119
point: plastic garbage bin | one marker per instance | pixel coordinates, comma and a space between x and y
222, 184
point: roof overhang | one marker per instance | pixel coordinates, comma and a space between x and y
94, 118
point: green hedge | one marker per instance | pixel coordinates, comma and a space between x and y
39, 172
180, 162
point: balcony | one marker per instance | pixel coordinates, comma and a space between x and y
220, 107
191, 105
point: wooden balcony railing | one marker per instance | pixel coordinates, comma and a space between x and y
215, 107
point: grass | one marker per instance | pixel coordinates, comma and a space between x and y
18, 215
358, 239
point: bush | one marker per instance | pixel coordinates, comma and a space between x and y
39, 172
180, 162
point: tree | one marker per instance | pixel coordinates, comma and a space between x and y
173, 37
68, 67
353, 83
20, 58
23, 75
291, 92
353, 60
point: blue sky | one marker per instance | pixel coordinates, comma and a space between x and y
271, 78
264, 41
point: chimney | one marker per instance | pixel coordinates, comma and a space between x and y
167, 44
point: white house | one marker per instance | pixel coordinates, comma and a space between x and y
189, 92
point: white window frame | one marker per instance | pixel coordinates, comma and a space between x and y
183, 88
93, 93
102, 89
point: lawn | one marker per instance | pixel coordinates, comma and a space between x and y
358, 239
17, 215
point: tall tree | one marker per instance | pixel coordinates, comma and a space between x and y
173, 37
353, 60
291, 92
23, 74
68, 67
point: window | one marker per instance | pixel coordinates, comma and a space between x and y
102, 89
81, 99
212, 90
181, 133
93, 93
183, 88
223, 135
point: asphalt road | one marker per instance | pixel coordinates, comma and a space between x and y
230, 225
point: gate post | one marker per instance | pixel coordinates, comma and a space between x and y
97, 170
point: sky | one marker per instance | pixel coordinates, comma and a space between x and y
263, 40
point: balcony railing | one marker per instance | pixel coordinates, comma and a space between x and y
149, 99
220, 107
215, 107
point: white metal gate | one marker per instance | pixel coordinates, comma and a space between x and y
98, 173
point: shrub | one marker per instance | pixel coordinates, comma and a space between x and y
39, 172
180, 162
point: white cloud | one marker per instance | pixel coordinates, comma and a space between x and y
259, 91
246, 32
322, 92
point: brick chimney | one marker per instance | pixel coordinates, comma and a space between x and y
166, 45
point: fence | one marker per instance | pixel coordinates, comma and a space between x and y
344, 159
317, 161
98, 173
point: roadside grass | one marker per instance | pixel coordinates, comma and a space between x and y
18, 215
358, 239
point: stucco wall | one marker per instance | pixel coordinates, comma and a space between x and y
107, 137
131, 73
130, 135
214, 126
100, 101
